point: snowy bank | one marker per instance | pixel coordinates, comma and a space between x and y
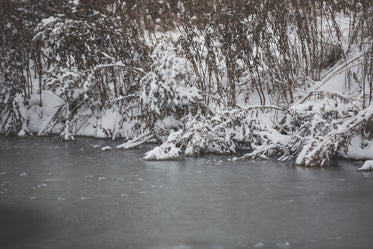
297, 86
367, 166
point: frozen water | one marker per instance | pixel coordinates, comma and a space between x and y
259, 245
195, 202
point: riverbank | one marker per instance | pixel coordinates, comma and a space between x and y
290, 82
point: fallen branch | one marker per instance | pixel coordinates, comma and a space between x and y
136, 141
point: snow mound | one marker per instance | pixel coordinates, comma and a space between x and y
360, 149
367, 166
106, 148
166, 151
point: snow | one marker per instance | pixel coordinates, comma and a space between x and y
40, 116
106, 148
360, 149
367, 166
166, 151
21, 133
49, 20
177, 115
135, 142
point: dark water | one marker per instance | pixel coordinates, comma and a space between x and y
71, 195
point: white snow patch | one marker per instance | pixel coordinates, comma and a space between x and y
166, 151
48, 20
21, 133
106, 148
360, 149
367, 166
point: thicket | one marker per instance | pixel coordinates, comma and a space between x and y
185, 72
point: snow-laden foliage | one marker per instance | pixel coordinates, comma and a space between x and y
222, 132
91, 70
14, 62
284, 79
165, 90
322, 125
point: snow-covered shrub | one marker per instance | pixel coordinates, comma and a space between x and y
166, 90
12, 119
321, 126
222, 132
16, 52
91, 70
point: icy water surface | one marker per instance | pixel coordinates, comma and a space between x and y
72, 195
